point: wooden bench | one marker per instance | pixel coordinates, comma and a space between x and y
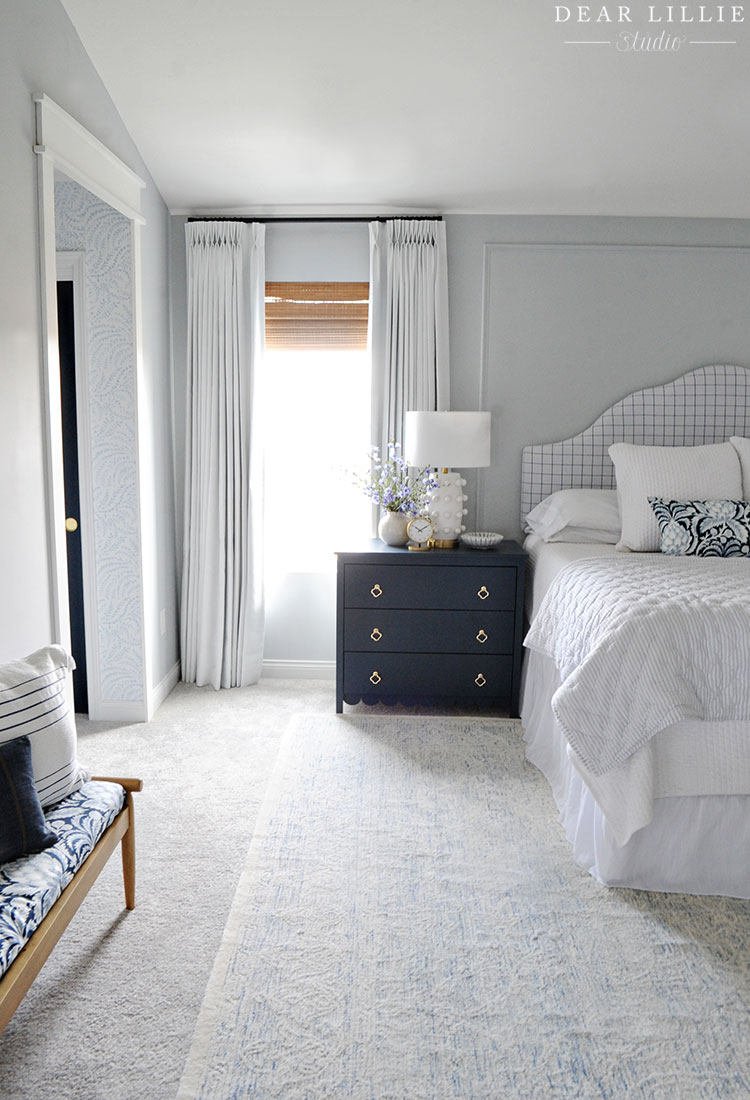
17, 979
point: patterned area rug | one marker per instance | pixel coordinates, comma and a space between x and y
410, 925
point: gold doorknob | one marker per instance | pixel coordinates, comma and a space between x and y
375, 678
479, 680
376, 590
376, 635
482, 636
483, 592
71, 524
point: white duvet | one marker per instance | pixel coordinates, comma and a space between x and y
642, 642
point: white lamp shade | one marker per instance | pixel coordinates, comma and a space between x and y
447, 439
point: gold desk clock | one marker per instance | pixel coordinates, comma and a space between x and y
420, 532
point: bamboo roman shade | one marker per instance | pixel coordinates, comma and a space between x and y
316, 316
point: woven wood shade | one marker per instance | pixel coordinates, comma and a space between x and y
316, 316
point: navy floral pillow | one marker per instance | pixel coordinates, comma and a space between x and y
705, 528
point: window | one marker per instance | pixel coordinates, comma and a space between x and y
317, 422
316, 316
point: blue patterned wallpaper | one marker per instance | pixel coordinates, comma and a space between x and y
85, 223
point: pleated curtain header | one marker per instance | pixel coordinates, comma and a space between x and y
414, 231
227, 233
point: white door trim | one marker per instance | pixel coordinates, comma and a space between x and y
63, 144
77, 153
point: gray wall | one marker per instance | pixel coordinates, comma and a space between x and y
40, 52
546, 336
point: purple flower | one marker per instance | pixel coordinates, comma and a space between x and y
390, 484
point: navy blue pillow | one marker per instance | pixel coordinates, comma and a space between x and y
23, 829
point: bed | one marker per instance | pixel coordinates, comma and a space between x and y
636, 690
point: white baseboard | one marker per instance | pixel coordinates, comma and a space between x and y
118, 710
125, 710
163, 688
299, 670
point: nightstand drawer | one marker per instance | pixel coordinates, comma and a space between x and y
428, 675
440, 586
387, 630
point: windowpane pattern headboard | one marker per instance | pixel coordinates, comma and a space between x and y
705, 406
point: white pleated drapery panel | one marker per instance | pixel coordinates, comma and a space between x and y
408, 323
222, 585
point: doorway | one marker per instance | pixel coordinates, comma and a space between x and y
115, 530
66, 334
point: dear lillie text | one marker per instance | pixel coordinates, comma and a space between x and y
662, 20
656, 13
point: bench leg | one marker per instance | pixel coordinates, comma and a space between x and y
128, 856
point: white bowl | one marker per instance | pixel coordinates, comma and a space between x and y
481, 540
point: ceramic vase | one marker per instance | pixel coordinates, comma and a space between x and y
392, 528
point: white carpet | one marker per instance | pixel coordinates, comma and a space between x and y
111, 1015
410, 924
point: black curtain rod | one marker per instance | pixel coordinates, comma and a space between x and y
394, 217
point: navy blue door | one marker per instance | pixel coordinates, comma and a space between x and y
66, 335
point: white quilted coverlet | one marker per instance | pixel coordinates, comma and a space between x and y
642, 642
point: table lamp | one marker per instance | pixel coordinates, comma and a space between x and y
444, 440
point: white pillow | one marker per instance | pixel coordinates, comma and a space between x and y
709, 472
576, 515
742, 447
34, 702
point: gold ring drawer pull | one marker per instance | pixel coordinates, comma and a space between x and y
376, 591
483, 592
479, 680
482, 636
375, 677
376, 635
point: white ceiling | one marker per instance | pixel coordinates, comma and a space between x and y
446, 105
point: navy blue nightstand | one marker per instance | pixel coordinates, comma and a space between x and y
436, 626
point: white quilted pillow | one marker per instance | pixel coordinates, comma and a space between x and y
710, 472
34, 702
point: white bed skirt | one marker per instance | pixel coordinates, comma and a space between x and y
694, 844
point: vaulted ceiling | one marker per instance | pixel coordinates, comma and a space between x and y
503, 106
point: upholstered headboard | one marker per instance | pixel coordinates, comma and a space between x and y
707, 405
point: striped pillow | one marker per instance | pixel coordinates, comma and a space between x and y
34, 703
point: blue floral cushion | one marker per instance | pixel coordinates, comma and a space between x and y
22, 825
30, 886
705, 528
